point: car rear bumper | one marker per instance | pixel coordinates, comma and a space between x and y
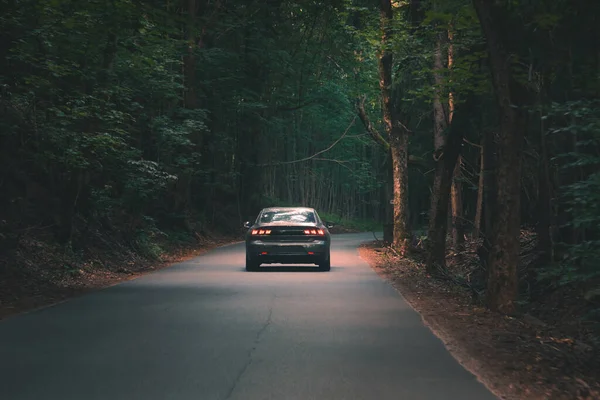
292, 252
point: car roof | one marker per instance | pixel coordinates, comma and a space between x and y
288, 209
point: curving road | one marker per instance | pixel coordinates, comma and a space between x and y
206, 329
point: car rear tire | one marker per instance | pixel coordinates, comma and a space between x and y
251, 265
325, 264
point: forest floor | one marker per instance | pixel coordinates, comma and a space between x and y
40, 273
542, 352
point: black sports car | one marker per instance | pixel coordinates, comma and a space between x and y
294, 235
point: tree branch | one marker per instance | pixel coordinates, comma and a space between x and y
471, 143
339, 162
314, 155
297, 107
416, 160
362, 114
377, 137
401, 125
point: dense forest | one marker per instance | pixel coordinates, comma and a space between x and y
133, 120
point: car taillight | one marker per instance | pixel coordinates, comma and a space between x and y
261, 231
319, 232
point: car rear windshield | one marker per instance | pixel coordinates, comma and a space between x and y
287, 216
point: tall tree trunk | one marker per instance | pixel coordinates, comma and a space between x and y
388, 194
189, 60
489, 193
480, 189
398, 146
502, 285
438, 216
456, 202
398, 138
438, 219
182, 195
545, 245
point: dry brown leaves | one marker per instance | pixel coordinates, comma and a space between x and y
41, 274
516, 357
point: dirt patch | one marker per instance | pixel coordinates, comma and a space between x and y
516, 357
41, 274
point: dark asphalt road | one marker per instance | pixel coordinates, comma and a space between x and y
207, 329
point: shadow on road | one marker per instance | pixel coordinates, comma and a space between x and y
288, 268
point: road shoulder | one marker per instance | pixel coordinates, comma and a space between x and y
48, 277
507, 354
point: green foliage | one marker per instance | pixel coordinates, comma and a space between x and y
144, 182
456, 26
95, 131
106, 124
579, 121
146, 243
92, 107
357, 224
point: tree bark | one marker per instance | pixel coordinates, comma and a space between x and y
480, 189
489, 194
503, 259
438, 221
456, 202
438, 215
398, 137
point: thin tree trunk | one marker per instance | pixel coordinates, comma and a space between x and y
456, 201
480, 189
183, 185
398, 139
389, 195
545, 244
438, 216
189, 60
489, 193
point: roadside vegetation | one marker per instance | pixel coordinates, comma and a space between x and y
344, 224
134, 130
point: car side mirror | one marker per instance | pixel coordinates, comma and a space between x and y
329, 225
247, 224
